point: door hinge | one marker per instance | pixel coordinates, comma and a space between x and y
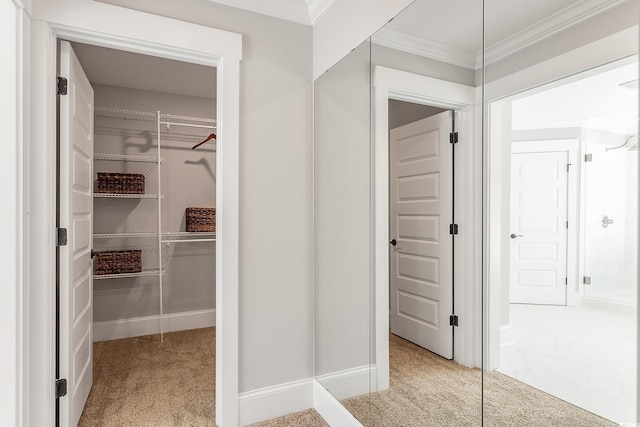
62, 85
588, 157
453, 137
61, 387
62, 237
566, 280
453, 228
586, 280
567, 224
568, 166
453, 320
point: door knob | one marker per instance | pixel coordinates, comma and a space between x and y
606, 221
514, 235
393, 242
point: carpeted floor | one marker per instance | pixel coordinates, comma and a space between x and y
427, 390
142, 382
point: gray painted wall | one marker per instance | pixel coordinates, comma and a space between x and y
188, 179
342, 200
276, 311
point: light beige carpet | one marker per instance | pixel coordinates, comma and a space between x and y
427, 390
143, 382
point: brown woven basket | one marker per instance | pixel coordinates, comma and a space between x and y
201, 220
120, 183
117, 262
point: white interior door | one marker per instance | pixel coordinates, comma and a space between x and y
421, 288
539, 202
76, 214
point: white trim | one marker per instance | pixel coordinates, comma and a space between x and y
618, 46
330, 409
404, 41
395, 84
349, 382
125, 29
317, 9
139, 326
562, 20
551, 25
276, 401
615, 306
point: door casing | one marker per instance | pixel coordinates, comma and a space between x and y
101, 25
405, 86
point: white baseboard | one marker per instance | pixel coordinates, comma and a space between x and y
506, 336
604, 304
330, 409
138, 326
348, 383
271, 402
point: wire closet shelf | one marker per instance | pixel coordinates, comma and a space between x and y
172, 124
166, 125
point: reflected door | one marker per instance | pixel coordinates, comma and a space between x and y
421, 291
538, 271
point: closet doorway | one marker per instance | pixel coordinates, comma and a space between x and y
137, 188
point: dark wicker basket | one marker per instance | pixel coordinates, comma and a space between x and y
120, 183
117, 262
201, 220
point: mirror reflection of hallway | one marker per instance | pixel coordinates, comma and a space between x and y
579, 346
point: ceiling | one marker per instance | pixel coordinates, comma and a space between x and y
301, 11
135, 71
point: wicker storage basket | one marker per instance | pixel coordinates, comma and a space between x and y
120, 183
199, 219
117, 262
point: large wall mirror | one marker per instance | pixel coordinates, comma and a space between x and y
476, 214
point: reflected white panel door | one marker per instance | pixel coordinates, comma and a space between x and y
538, 269
420, 267
76, 214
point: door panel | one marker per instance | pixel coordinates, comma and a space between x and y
76, 214
421, 291
539, 205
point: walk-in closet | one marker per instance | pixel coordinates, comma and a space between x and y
154, 238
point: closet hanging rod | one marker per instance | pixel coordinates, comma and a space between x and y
181, 119
187, 124
188, 240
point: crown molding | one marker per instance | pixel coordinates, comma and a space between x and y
411, 43
562, 20
317, 8
566, 18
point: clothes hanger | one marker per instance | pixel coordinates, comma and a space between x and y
209, 138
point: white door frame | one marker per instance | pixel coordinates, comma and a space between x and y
590, 58
404, 86
119, 28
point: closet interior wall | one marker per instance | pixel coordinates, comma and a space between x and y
188, 176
